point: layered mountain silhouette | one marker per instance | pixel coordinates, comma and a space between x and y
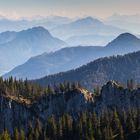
24, 23
120, 68
17, 47
73, 57
85, 26
62, 60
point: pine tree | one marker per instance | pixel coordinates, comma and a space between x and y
130, 84
116, 121
30, 131
97, 91
16, 134
22, 135
121, 133
38, 130
131, 126
5, 135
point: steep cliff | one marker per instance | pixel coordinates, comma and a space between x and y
113, 95
17, 111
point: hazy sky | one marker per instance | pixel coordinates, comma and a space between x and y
99, 8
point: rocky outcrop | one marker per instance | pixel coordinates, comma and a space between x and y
16, 112
114, 95
13, 112
71, 102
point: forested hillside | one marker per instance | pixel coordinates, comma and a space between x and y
98, 72
68, 111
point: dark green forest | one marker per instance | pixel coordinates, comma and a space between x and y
100, 71
122, 125
31, 91
108, 125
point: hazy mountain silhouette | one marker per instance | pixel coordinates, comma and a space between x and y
17, 47
74, 57
120, 68
85, 26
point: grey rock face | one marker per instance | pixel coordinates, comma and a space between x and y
113, 95
14, 113
71, 102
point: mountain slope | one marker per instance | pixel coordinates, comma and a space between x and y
119, 68
125, 40
18, 111
51, 63
74, 57
85, 26
20, 46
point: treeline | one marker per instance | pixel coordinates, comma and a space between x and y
22, 88
32, 91
123, 125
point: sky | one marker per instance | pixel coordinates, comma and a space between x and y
70, 8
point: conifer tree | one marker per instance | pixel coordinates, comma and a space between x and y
16, 134
22, 135
5, 135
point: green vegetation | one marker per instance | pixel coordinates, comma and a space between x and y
100, 71
122, 125
115, 124
19, 89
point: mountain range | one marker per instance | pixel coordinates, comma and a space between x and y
24, 23
91, 27
56, 85
85, 26
18, 47
96, 73
73, 57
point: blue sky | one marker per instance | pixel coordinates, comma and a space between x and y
99, 8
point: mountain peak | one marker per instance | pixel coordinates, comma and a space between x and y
87, 21
88, 18
112, 83
125, 39
39, 30
126, 36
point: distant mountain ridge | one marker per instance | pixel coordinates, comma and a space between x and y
125, 39
73, 57
86, 21
85, 26
24, 23
120, 68
25, 44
